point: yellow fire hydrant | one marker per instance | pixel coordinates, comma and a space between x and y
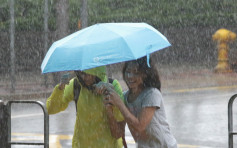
223, 37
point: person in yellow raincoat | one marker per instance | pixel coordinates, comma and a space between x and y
95, 127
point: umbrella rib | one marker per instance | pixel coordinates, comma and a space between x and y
122, 39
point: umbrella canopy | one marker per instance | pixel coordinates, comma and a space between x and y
103, 44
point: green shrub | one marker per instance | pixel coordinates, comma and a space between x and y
160, 13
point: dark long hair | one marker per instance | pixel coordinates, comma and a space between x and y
152, 78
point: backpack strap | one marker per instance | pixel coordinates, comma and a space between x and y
123, 139
76, 91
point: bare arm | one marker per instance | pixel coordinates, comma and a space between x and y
137, 125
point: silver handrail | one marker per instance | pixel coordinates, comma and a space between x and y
46, 124
231, 133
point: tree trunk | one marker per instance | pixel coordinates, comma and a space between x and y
12, 43
46, 30
84, 14
62, 19
62, 22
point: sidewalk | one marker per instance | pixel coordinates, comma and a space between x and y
31, 86
28, 86
32, 91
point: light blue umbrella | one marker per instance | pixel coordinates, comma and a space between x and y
103, 44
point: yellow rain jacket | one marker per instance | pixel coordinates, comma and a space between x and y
91, 127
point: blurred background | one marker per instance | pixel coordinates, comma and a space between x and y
29, 27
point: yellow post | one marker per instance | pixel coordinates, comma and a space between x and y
223, 37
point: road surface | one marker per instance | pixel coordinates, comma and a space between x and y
197, 118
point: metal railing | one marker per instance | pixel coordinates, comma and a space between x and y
6, 127
3, 125
231, 133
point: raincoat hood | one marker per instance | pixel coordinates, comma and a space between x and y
100, 72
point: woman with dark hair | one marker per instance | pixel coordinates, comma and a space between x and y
152, 78
143, 110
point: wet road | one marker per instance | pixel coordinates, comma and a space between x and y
197, 117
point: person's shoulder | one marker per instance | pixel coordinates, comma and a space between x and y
113, 81
153, 91
71, 81
151, 97
74, 81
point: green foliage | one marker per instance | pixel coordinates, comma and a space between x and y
160, 13
165, 12
4, 12
26, 17
74, 14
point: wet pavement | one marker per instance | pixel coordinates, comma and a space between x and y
198, 119
195, 101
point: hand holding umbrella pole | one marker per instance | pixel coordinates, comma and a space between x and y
64, 81
105, 89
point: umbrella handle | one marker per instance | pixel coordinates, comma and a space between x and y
148, 55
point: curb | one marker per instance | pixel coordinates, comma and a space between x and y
203, 88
